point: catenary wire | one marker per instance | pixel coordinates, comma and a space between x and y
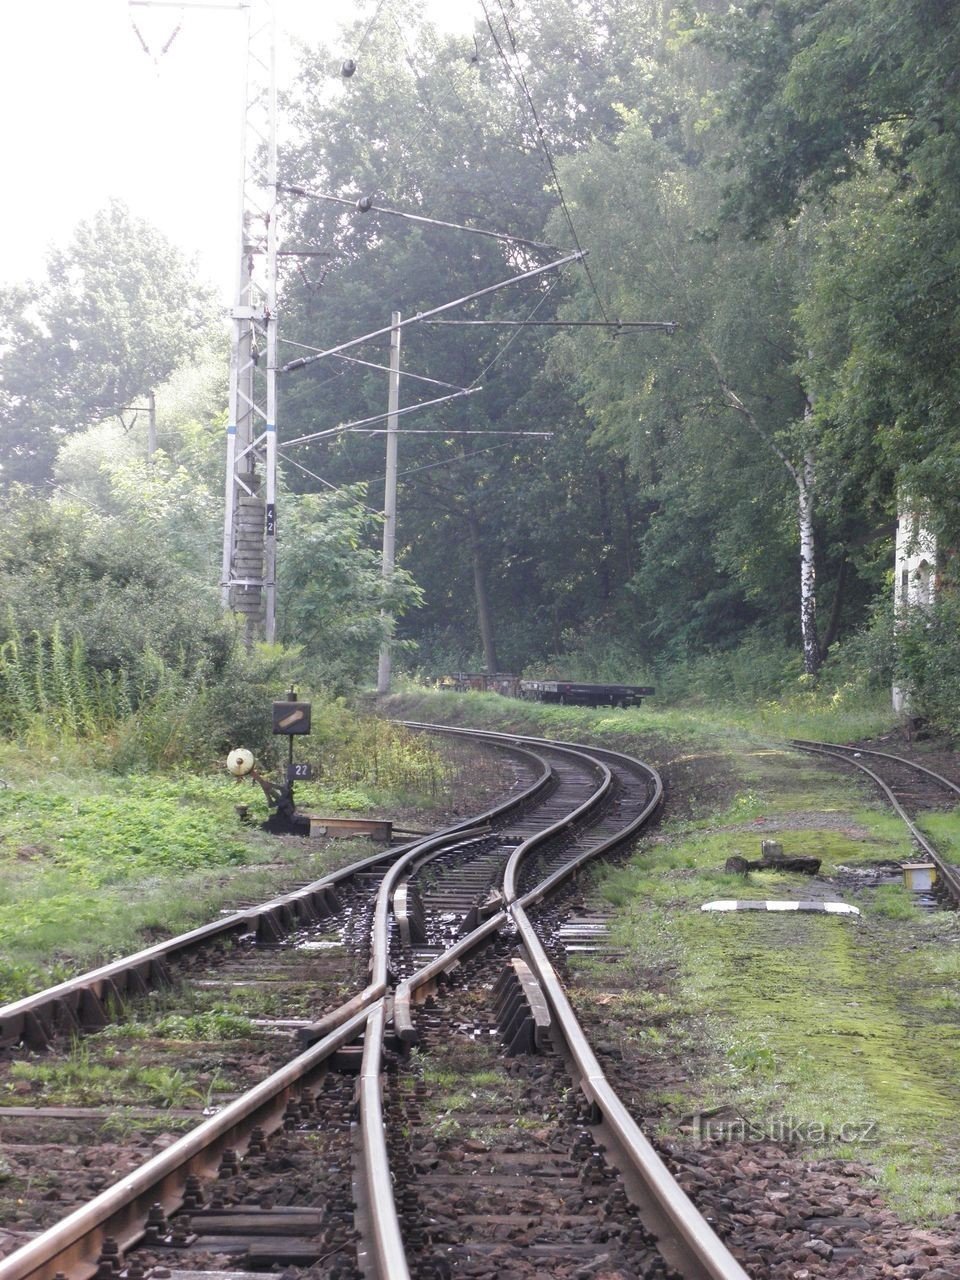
327, 484
418, 217
521, 80
370, 25
369, 364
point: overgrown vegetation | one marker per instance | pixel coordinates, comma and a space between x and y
93, 862
806, 248
827, 1021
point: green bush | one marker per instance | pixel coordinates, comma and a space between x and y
928, 661
761, 667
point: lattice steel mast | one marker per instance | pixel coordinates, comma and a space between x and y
248, 578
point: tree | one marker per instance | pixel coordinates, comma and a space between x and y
116, 312
848, 113
503, 534
728, 385
333, 598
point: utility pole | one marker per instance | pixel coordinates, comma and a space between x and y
390, 495
248, 577
151, 424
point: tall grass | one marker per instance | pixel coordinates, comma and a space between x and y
48, 685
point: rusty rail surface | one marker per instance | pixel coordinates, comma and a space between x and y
74, 1245
687, 1239
948, 874
83, 1002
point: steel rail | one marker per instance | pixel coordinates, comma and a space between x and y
388, 1260
699, 1250
133, 973
683, 1232
403, 996
421, 850
949, 875
376, 988
469, 942
73, 1245
389, 1256
546, 886
102, 981
883, 755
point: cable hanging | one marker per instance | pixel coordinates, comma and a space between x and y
520, 78
369, 364
365, 205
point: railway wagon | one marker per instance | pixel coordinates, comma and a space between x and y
576, 694
571, 693
480, 682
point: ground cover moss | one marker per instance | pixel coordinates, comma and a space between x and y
848, 1029
842, 1028
94, 863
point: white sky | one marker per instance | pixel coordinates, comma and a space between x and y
88, 115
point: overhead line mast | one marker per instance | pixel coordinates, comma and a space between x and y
248, 578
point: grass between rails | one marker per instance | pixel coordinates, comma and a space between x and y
847, 1029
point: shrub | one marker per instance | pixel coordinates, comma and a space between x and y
928, 661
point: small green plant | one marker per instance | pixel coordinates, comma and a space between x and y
79, 1079
895, 902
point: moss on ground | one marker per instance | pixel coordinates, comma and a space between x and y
848, 1028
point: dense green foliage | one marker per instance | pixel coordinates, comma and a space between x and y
779, 178
117, 312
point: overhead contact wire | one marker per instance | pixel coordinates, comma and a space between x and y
520, 79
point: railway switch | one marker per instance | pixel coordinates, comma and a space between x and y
291, 718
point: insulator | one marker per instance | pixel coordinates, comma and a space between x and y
364, 204
347, 68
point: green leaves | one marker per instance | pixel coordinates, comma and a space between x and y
117, 312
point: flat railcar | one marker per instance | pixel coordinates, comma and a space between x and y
567, 692
577, 694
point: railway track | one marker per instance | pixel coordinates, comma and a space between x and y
301, 1171
906, 785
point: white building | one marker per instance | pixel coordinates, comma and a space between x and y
915, 577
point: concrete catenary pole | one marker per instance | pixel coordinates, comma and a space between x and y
390, 496
248, 573
151, 424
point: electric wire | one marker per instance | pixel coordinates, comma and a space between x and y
521, 80
443, 431
431, 109
370, 25
327, 484
302, 361
377, 417
513, 337
449, 462
369, 364
417, 217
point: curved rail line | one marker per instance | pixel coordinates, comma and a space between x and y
687, 1239
948, 874
83, 1002
118, 1214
